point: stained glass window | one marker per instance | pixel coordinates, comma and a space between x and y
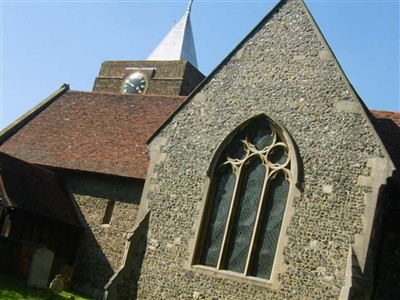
245, 209
219, 213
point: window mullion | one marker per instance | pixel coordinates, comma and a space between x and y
258, 217
230, 218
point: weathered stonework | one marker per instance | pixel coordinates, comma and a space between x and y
165, 77
102, 245
123, 284
285, 70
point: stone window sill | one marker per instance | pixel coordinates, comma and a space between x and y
268, 284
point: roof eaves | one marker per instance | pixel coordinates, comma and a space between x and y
5, 200
8, 202
88, 172
78, 223
13, 128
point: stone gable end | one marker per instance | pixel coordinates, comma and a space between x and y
284, 70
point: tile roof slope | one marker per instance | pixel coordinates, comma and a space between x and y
35, 189
387, 124
96, 132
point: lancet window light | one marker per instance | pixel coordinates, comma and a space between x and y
246, 203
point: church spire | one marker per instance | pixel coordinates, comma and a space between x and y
190, 5
178, 44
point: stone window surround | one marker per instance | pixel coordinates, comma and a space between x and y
278, 266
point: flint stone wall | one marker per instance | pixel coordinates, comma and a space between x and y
285, 70
102, 245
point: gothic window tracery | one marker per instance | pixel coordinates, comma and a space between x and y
246, 204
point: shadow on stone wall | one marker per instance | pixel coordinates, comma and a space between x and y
300, 165
124, 284
381, 275
92, 269
102, 245
115, 188
389, 132
387, 274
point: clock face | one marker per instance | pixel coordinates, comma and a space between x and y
136, 83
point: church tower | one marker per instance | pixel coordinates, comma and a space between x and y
171, 69
95, 143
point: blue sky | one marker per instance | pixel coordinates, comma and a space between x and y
47, 43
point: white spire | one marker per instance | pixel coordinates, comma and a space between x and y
190, 5
178, 44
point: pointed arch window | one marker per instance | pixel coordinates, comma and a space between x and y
246, 203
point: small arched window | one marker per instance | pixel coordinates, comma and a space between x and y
250, 183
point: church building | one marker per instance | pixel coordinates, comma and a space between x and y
173, 185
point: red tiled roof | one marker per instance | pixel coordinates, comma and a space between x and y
35, 189
387, 124
96, 132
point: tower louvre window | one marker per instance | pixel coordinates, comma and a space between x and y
246, 204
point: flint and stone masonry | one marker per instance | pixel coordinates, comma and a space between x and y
285, 70
102, 244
